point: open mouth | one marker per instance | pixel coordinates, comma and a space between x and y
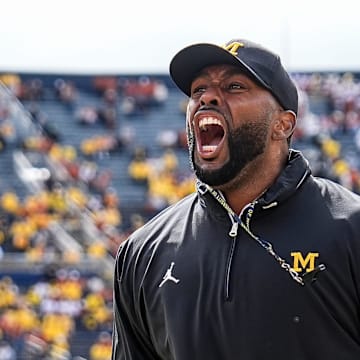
210, 136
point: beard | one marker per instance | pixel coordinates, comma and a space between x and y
245, 144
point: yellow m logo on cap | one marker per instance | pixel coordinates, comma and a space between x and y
301, 264
233, 47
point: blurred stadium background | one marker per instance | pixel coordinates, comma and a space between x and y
85, 160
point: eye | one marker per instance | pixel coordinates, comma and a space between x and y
236, 86
198, 90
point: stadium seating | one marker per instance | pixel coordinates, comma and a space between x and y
49, 137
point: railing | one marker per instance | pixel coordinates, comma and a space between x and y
33, 178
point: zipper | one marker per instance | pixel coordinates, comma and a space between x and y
228, 268
233, 234
234, 227
247, 211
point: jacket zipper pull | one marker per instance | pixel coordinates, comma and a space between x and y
234, 228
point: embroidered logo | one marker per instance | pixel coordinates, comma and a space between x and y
301, 264
233, 47
168, 276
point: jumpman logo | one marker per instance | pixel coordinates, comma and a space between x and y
168, 276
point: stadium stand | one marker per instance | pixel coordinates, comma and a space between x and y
85, 161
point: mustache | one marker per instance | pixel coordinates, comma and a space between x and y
210, 108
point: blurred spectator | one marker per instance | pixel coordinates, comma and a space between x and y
35, 347
140, 94
32, 90
99, 144
7, 352
140, 168
108, 111
308, 124
66, 92
101, 349
12, 82
87, 115
103, 83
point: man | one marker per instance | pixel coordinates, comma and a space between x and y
263, 262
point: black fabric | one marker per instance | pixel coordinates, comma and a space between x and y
228, 298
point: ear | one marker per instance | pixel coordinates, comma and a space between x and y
284, 125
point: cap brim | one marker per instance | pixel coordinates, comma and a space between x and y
188, 62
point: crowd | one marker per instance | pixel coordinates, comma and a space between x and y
332, 132
39, 320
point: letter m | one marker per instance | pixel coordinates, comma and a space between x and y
301, 264
233, 47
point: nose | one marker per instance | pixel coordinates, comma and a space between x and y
210, 96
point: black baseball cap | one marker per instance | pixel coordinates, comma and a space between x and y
259, 62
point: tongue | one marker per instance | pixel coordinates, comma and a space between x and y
211, 138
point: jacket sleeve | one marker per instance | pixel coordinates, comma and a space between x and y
131, 340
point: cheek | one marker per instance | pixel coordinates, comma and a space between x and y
239, 117
253, 112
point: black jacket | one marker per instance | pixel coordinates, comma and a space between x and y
186, 290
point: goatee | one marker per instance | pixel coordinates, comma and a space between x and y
245, 144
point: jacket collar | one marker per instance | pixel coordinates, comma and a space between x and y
294, 174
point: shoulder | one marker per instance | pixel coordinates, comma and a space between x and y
342, 202
335, 191
163, 229
165, 222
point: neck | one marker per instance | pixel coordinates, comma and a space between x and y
240, 197
252, 182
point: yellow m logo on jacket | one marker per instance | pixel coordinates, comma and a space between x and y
300, 264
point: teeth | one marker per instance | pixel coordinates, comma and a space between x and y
209, 148
208, 121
